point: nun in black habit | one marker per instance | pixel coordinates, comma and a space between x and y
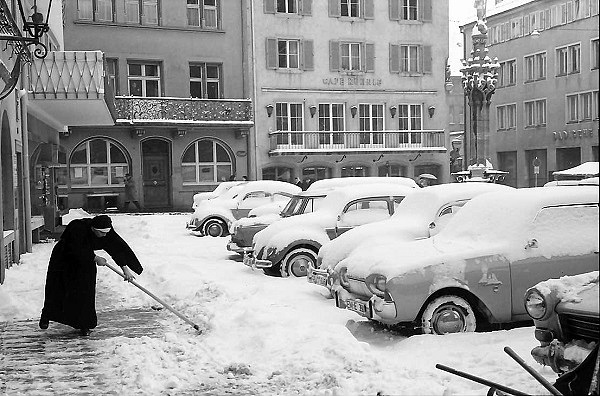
70, 294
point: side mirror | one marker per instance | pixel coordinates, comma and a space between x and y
531, 244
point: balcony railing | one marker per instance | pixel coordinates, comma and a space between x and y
132, 109
304, 142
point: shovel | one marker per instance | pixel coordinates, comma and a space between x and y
142, 288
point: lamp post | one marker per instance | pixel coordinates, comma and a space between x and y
34, 25
479, 79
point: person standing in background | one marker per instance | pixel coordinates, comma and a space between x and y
130, 193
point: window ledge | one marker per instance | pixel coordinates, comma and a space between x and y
153, 27
283, 70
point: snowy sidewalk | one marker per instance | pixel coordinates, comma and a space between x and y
59, 360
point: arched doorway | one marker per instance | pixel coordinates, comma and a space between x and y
156, 174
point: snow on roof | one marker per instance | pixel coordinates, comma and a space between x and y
568, 288
586, 169
336, 200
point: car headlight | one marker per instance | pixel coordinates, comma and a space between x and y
376, 284
535, 304
344, 277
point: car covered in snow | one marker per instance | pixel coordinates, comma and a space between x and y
288, 246
221, 189
214, 216
420, 215
243, 230
476, 271
566, 315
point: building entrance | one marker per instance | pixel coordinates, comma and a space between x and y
156, 174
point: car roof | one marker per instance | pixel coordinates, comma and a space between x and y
351, 181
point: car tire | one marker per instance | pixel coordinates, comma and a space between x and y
296, 262
215, 228
448, 314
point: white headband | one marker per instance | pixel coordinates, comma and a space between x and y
104, 230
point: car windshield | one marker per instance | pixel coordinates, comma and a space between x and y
300, 204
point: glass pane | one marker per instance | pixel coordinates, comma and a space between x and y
195, 71
135, 87
79, 155
98, 154
152, 89
205, 151
222, 155
210, 18
212, 71
190, 155
207, 174
212, 90
62, 176
188, 174
135, 69
116, 155
151, 70
193, 19
195, 89
85, 9
117, 174
223, 172
99, 175
79, 176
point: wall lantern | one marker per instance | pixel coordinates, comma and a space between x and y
393, 111
353, 111
313, 111
269, 108
431, 111
35, 27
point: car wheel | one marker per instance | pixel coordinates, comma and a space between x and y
296, 262
448, 314
215, 228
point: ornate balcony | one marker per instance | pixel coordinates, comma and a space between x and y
69, 88
183, 111
318, 142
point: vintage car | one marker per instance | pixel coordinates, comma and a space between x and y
567, 320
243, 230
476, 271
213, 216
221, 189
420, 215
288, 246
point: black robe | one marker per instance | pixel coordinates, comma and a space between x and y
70, 293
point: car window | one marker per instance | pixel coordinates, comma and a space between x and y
257, 194
365, 211
451, 208
396, 202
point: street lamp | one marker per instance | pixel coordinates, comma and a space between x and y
34, 25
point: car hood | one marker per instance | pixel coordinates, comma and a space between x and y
258, 220
305, 226
587, 303
221, 209
389, 231
396, 259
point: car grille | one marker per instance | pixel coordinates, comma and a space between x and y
358, 287
580, 327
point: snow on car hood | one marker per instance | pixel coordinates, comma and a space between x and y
215, 207
389, 231
569, 288
251, 221
282, 232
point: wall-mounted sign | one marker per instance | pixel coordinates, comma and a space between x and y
574, 134
352, 81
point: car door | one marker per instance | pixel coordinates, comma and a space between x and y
363, 211
250, 201
562, 240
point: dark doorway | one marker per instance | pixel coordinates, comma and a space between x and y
156, 174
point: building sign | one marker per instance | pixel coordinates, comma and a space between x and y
574, 134
352, 81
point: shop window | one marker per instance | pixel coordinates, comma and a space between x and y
97, 162
279, 173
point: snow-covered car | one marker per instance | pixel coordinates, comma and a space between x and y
477, 269
221, 189
288, 246
243, 230
420, 215
214, 216
566, 315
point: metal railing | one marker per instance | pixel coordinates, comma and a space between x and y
183, 109
356, 141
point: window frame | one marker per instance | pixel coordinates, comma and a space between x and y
534, 113
370, 123
351, 56
568, 59
94, 11
295, 7
201, 9
215, 164
288, 55
109, 165
572, 108
594, 53
506, 116
143, 78
330, 122
204, 80
293, 118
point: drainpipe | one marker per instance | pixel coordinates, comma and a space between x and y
22, 95
253, 138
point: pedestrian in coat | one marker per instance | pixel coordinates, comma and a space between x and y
130, 193
70, 292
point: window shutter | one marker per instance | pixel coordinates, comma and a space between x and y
219, 20
368, 9
334, 55
334, 8
269, 6
394, 58
425, 10
426, 58
305, 7
307, 55
394, 6
271, 53
370, 57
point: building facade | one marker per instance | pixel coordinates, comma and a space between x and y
349, 88
182, 116
544, 113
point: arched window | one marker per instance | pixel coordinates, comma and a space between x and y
98, 162
280, 173
206, 161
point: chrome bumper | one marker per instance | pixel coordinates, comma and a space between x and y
317, 276
253, 262
233, 247
374, 308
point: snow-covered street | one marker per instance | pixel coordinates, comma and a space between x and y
260, 334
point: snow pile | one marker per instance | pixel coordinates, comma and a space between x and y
569, 288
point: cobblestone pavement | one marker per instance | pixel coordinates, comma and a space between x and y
59, 361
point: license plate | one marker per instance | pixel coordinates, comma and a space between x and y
357, 306
317, 279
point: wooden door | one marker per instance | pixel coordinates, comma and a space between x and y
156, 173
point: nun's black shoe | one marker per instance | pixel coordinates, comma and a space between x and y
44, 323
